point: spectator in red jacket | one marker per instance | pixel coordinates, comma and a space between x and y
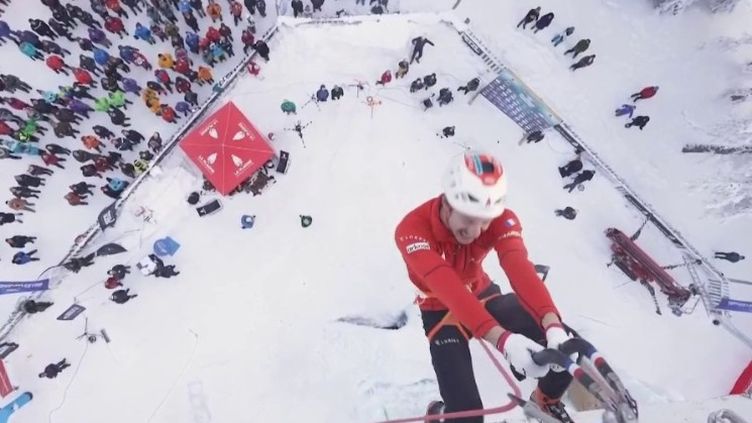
236, 10
115, 26
116, 7
57, 64
75, 199
386, 78
182, 66
15, 103
247, 38
213, 35
168, 114
52, 160
645, 93
83, 77
443, 243
5, 129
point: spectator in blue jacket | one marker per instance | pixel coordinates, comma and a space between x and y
625, 109
559, 38
23, 257
322, 94
143, 33
5, 32
101, 56
30, 51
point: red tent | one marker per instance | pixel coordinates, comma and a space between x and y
227, 148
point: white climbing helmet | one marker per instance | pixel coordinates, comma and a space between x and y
475, 185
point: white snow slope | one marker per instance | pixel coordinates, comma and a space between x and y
248, 331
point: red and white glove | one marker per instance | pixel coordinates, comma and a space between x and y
555, 336
518, 350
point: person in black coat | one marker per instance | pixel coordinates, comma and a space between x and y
733, 256
53, 369
82, 188
31, 306
571, 168
262, 49
89, 64
20, 241
117, 117
103, 132
297, 8
568, 213
40, 27
10, 218
531, 16
445, 96
534, 137
584, 62
64, 129
60, 29
35, 170
429, 81
638, 121
24, 192
77, 263
67, 115
544, 21
472, 85
119, 271
578, 48
122, 296
582, 177
134, 136
51, 47
29, 181
418, 44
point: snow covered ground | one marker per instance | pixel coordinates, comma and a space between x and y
636, 47
249, 331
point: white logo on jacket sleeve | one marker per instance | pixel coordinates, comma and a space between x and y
417, 246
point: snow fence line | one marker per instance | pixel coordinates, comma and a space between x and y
85, 239
716, 288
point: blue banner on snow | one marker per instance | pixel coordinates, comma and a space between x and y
512, 97
31, 286
735, 305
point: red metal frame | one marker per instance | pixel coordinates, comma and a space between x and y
638, 265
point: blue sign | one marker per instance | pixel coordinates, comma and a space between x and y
15, 287
165, 246
514, 99
735, 305
72, 312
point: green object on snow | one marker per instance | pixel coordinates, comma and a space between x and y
117, 98
102, 104
288, 106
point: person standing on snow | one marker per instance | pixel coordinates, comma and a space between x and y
578, 48
733, 256
530, 17
645, 93
472, 85
53, 369
559, 38
638, 121
625, 109
581, 178
23, 257
418, 44
582, 63
20, 241
443, 243
543, 22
